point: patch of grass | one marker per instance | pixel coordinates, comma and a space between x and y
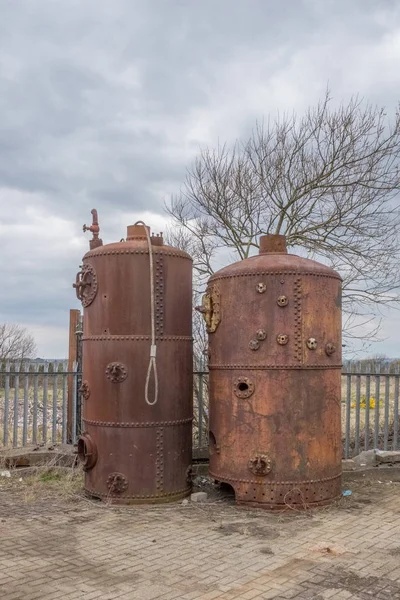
50, 476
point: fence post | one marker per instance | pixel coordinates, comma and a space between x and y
74, 403
396, 407
200, 401
348, 408
74, 315
78, 376
377, 396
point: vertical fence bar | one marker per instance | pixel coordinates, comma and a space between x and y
358, 402
6, 403
348, 408
396, 408
45, 398
377, 394
200, 402
79, 365
55, 398
74, 400
35, 403
16, 404
387, 407
25, 369
64, 403
367, 403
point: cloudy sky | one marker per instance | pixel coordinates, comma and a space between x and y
104, 103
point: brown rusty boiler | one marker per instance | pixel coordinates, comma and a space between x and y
274, 323
137, 370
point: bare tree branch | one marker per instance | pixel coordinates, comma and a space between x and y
15, 343
328, 180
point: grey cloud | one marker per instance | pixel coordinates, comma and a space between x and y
105, 103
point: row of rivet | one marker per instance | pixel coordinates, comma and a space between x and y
136, 338
298, 338
159, 299
274, 273
294, 366
160, 459
177, 493
114, 252
135, 424
218, 477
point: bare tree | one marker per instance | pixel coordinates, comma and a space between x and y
328, 181
16, 343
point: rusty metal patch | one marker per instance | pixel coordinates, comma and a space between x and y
116, 372
260, 464
243, 387
84, 390
86, 284
87, 451
213, 446
210, 308
117, 483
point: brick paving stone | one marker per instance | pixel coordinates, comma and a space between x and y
95, 552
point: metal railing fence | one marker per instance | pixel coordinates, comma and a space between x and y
34, 405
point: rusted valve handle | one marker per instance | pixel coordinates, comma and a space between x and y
81, 283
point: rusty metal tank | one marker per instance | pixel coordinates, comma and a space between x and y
274, 324
137, 373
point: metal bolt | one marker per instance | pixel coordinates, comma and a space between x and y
282, 301
282, 339
261, 334
330, 349
312, 344
261, 287
254, 344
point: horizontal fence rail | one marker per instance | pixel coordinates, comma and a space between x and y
34, 405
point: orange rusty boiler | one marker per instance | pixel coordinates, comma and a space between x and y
137, 368
274, 324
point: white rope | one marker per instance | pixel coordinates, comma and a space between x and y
153, 347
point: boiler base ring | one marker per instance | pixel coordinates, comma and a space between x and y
281, 495
281, 507
140, 498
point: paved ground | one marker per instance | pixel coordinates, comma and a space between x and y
55, 544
